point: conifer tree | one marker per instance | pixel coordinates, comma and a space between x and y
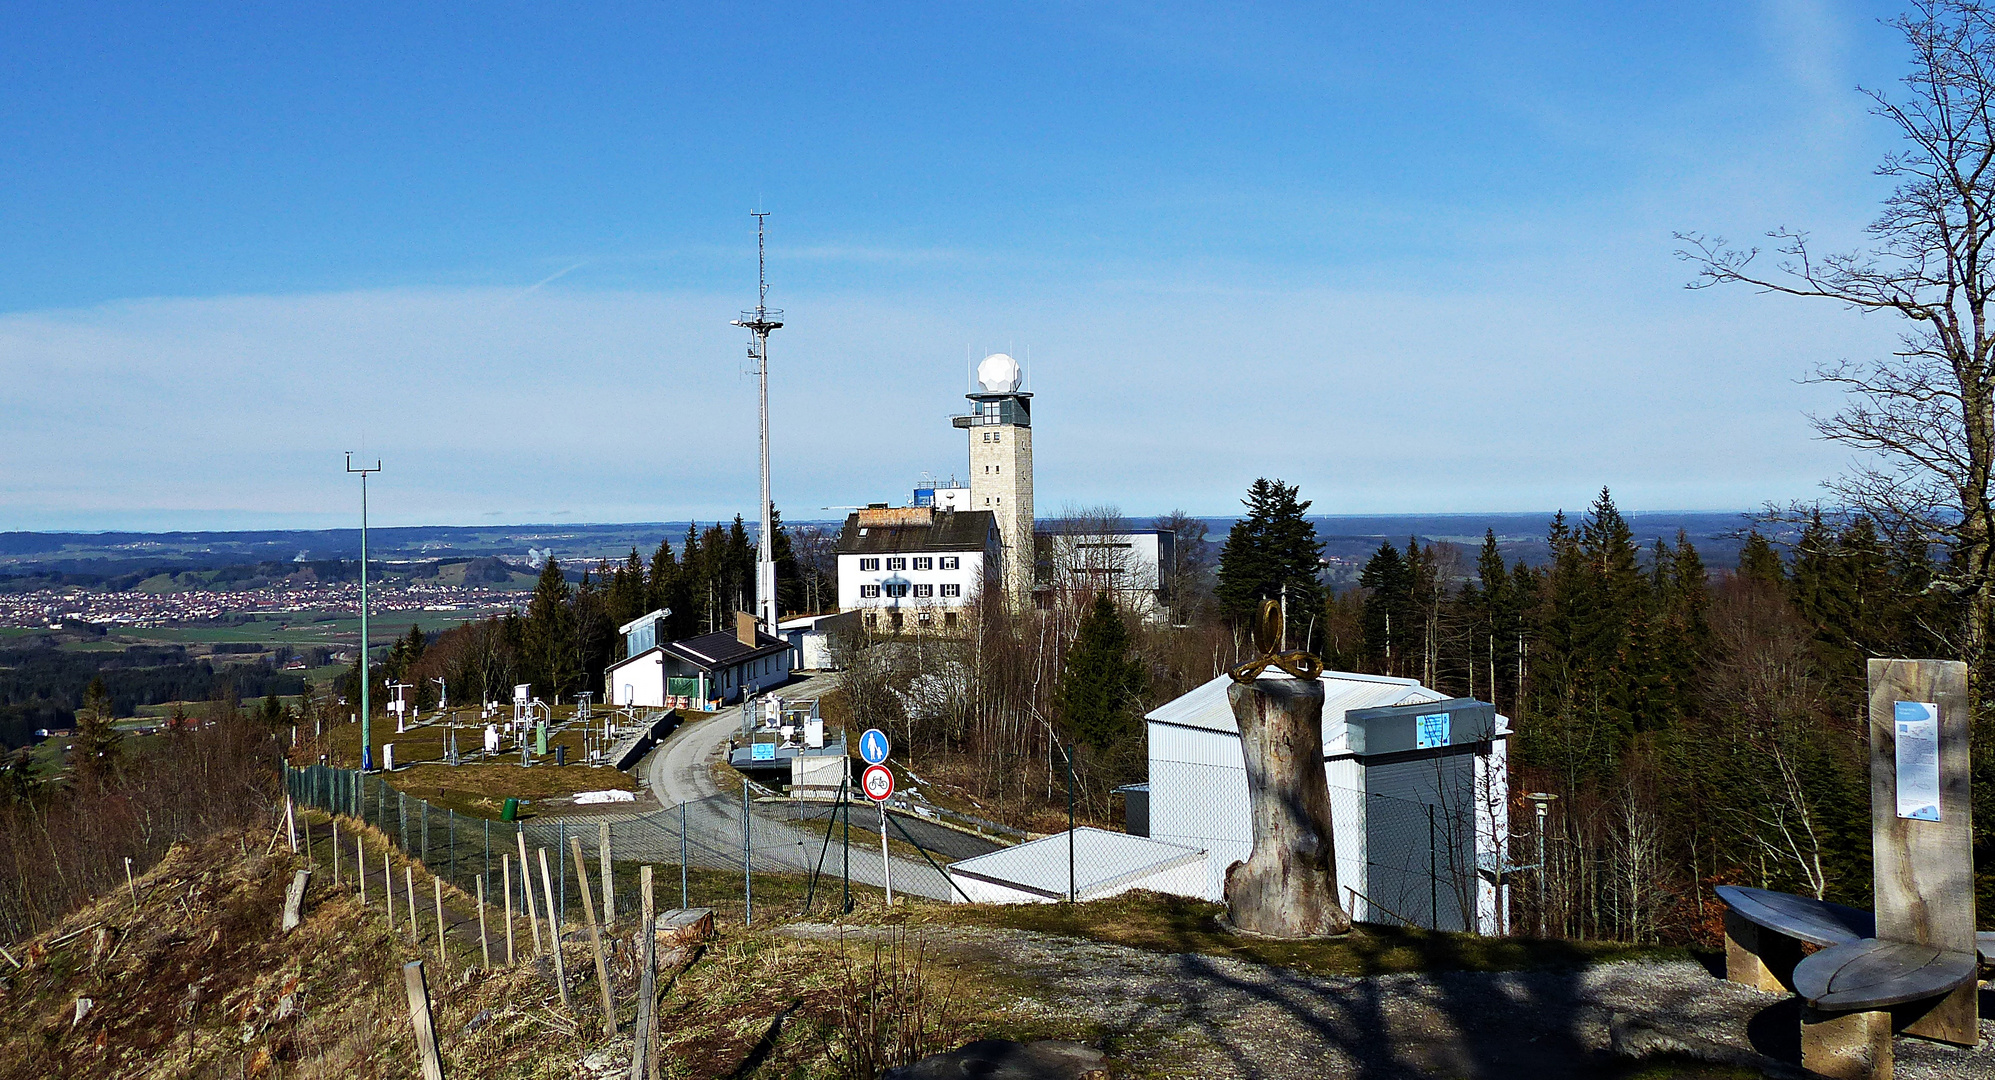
1101, 684
1388, 616
551, 660
1759, 562
96, 750
1273, 547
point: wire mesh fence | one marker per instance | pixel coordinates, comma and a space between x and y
723, 852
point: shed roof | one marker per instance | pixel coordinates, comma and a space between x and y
1101, 860
722, 649
1206, 706
951, 530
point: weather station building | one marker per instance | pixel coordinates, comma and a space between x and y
1000, 428
698, 671
1419, 797
1131, 564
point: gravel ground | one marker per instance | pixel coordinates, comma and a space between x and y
1200, 1016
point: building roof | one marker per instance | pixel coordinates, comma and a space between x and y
1102, 860
1206, 706
947, 530
722, 649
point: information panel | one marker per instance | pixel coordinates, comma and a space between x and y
1918, 759
1430, 731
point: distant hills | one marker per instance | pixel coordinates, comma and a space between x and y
86, 557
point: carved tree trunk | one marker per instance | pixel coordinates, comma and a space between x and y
1288, 886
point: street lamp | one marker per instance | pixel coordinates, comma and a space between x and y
366, 743
1543, 802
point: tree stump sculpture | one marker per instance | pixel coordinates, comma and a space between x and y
1287, 887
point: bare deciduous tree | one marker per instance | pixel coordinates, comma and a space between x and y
1925, 415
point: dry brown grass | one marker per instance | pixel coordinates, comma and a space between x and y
481, 790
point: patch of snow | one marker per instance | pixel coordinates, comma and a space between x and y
588, 797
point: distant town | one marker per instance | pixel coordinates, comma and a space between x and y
53, 608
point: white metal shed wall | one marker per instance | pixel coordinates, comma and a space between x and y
639, 682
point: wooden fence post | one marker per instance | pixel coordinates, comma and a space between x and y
526, 889
609, 885
595, 938
647, 985
415, 923
506, 886
426, 1051
360, 865
291, 825
554, 931
442, 958
131, 884
335, 849
484, 944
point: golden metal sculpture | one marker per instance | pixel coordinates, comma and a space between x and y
1268, 634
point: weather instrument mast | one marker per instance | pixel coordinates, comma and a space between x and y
366, 670
759, 322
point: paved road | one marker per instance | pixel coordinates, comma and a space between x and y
680, 771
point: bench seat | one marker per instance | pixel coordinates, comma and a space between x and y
1803, 918
1874, 974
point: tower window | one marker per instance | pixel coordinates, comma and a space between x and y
997, 436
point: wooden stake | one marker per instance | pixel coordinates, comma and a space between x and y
609, 886
294, 900
10, 957
442, 958
553, 930
595, 938
129, 883
335, 836
388, 886
415, 926
291, 825
484, 946
426, 1052
647, 985
360, 865
506, 886
526, 890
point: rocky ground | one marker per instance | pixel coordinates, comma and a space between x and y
1191, 1015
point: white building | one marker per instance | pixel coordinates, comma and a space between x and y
698, 672
1419, 793
914, 568
1131, 564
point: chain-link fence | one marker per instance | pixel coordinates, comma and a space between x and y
737, 856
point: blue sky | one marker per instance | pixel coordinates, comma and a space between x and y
1415, 262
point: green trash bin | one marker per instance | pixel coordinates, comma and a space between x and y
511, 811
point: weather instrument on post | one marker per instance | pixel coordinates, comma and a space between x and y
759, 322
366, 744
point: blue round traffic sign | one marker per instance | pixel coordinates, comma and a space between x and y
873, 746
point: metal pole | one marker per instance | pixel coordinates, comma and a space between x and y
845, 804
886, 864
759, 322
1433, 875
1071, 892
366, 744
747, 849
684, 903
1541, 869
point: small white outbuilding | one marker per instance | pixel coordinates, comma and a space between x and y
1419, 794
1102, 864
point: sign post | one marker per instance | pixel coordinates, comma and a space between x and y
878, 783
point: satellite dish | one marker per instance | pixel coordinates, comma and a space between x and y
999, 374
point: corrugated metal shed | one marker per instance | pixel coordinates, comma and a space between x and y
1206, 708
1104, 863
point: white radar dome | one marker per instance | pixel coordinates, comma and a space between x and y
998, 374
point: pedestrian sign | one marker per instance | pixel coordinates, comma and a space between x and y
873, 746
877, 782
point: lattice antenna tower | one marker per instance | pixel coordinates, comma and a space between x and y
759, 322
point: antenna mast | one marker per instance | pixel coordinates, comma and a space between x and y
759, 322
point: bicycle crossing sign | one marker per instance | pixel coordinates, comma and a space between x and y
873, 746
877, 782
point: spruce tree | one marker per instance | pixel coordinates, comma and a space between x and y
1101, 684
1273, 547
94, 754
1388, 609
1758, 561
551, 661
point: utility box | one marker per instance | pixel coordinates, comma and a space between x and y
1399, 729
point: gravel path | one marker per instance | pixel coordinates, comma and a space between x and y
1200, 1016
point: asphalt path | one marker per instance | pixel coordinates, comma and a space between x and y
680, 770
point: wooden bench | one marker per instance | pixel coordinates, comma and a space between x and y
1764, 932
